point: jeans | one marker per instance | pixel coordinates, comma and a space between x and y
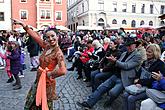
98, 77
114, 84
129, 101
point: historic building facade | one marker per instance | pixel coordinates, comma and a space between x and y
107, 13
38, 13
5, 15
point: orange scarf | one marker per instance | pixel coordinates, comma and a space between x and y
41, 97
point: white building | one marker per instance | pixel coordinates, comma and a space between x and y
108, 13
5, 14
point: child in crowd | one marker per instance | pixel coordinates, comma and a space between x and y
7, 60
15, 64
22, 60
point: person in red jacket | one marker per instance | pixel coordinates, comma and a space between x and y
82, 60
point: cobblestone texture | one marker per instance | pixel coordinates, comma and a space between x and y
68, 88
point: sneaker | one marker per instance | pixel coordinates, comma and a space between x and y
10, 80
84, 104
86, 80
70, 69
21, 76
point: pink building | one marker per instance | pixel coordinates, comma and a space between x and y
40, 13
25, 10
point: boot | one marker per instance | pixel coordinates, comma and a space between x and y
17, 83
10, 80
17, 87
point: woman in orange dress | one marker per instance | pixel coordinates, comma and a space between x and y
52, 65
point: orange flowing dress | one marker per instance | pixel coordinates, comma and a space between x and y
52, 61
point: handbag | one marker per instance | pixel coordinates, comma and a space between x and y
134, 90
93, 64
145, 74
156, 95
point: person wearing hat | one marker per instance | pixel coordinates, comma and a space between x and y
15, 64
128, 63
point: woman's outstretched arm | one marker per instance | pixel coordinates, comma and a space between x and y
32, 33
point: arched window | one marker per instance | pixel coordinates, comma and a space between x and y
114, 21
83, 23
162, 23
133, 23
142, 23
124, 22
150, 23
101, 22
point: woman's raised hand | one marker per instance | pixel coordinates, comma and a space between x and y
15, 22
157, 76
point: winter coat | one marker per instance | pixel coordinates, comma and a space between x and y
15, 64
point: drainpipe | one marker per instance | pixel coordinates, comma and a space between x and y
11, 3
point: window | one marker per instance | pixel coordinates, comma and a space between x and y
45, 14
115, 6
23, 0
101, 4
114, 21
23, 14
124, 7
1, 1
151, 9
162, 9
2, 17
77, 11
150, 23
83, 23
58, 15
142, 23
142, 8
59, 2
162, 23
133, 23
42, 14
124, 22
134, 8
82, 7
101, 22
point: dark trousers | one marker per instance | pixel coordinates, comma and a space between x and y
79, 65
129, 101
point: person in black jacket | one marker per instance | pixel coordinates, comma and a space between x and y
152, 64
33, 49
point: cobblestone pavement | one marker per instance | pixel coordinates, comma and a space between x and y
68, 88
